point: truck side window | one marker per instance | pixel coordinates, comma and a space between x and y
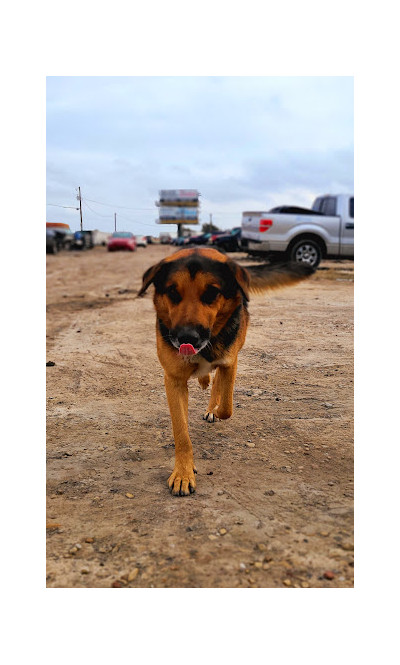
329, 206
351, 207
317, 205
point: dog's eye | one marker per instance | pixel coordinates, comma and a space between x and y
173, 294
209, 295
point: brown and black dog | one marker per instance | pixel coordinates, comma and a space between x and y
200, 299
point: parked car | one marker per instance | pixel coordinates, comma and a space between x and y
200, 240
179, 241
82, 240
141, 241
88, 239
58, 237
229, 242
122, 240
51, 242
325, 231
215, 235
165, 238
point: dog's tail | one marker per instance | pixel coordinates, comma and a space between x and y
267, 277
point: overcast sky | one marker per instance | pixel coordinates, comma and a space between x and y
246, 143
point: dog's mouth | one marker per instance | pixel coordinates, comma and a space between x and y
187, 350
188, 347
189, 340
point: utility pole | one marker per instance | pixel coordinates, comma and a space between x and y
80, 206
210, 222
115, 221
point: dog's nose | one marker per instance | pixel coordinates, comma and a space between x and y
189, 336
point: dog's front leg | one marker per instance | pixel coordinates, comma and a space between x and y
227, 383
182, 481
221, 402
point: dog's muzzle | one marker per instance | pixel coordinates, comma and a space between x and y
190, 340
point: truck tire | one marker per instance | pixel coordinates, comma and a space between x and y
306, 251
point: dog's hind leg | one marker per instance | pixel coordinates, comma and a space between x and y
181, 481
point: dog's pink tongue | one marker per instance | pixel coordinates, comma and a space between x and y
187, 350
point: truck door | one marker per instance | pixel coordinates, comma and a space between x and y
347, 235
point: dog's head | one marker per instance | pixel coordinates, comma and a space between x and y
196, 291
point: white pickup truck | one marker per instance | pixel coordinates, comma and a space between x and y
300, 234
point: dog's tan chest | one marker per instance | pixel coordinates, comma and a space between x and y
203, 366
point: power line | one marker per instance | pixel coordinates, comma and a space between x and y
94, 211
55, 205
132, 221
141, 223
112, 205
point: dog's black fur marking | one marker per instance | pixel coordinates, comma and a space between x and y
225, 338
194, 264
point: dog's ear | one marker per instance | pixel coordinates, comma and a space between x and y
148, 278
242, 277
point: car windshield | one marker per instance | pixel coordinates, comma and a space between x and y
122, 234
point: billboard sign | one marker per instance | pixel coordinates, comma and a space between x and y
169, 196
176, 213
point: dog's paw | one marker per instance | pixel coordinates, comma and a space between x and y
204, 381
210, 417
182, 481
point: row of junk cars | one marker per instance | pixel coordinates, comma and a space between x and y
60, 237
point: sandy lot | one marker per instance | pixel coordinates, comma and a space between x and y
274, 499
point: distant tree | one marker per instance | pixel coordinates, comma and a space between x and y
209, 228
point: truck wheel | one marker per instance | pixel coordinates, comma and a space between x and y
306, 251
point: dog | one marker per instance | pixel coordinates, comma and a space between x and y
201, 300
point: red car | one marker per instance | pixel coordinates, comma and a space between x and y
122, 240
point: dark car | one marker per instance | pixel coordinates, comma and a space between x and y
215, 235
88, 239
82, 240
200, 240
58, 239
51, 242
229, 242
122, 240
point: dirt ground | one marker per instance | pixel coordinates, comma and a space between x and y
274, 499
